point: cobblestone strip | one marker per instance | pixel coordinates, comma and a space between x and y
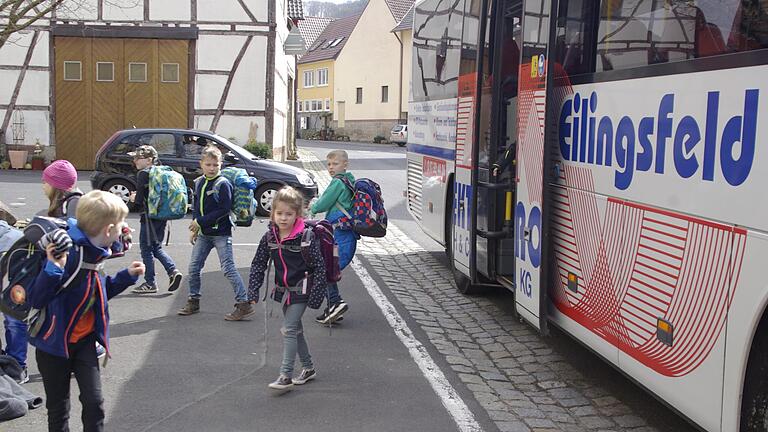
513, 373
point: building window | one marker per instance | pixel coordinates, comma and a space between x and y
309, 78
300, 106
73, 71
105, 71
384, 94
327, 104
169, 73
306, 106
137, 72
322, 77
316, 105
359, 98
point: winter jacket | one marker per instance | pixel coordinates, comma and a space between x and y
15, 400
336, 191
290, 267
8, 236
212, 205
64, 310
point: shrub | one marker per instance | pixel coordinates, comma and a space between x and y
259, 149
379, 139
308, 133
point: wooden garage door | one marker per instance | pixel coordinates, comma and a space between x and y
104, 85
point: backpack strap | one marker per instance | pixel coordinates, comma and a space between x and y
67, 200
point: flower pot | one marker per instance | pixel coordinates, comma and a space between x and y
38, 164
18, 158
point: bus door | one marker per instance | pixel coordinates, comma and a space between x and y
496, 184
530, 237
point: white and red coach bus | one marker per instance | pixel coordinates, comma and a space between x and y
608, 162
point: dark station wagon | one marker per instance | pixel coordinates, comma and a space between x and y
180, 149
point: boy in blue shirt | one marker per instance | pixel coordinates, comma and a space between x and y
212, 228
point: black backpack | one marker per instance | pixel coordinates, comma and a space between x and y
21, 264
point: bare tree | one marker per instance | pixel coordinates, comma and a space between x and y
17, 15
22, 14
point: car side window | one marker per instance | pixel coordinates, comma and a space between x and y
194, 145
164, 143
123, 146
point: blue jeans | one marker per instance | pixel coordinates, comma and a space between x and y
347, 241
151, 246
293, 339
16, 339
200, 251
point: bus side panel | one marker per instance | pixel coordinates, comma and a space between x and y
655, 284
744, 316
589, 266
431, 144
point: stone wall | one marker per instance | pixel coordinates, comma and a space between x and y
365, 130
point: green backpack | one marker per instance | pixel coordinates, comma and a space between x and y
167, 194
243, 208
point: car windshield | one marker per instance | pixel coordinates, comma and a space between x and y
397, 128
237, 149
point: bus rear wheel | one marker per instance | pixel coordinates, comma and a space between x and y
754, 403
463, 283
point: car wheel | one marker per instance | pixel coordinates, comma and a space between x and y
264, 196
121, 188
401, 144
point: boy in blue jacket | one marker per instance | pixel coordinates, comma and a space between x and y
77, 317
212, 228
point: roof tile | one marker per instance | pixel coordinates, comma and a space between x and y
336, 30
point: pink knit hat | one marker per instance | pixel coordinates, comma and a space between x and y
60, 174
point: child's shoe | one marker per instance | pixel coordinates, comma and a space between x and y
25, 376
281, 383
100, 351
336, 311
242, 311
145, 288
175, 281
192, 307
306, 375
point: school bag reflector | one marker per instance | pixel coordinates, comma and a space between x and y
20, 266
368, 216
243, 202
167, 195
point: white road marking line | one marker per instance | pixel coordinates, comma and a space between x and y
451, 400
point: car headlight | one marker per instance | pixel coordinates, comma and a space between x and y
305, 179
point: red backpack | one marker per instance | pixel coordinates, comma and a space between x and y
323, 231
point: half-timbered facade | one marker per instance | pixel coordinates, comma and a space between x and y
81, 74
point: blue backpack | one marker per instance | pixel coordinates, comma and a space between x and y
368, 216
167, 194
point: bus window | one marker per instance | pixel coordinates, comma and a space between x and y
635, 33
575, 36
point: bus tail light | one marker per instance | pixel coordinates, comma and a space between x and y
664, 331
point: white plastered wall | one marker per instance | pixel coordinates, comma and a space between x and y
370, 60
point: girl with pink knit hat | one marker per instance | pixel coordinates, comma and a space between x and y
59, 185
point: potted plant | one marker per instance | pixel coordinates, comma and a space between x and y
38, 160
18, 158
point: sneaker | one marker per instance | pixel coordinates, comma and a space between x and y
175, 281
336, 311
242, 311
145, 288
306, 375
281, 383
323, 317
192, 307
25, 376
100, 351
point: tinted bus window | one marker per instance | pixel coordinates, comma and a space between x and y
436, 49
635, 33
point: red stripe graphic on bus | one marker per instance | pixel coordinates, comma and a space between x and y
636, 264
